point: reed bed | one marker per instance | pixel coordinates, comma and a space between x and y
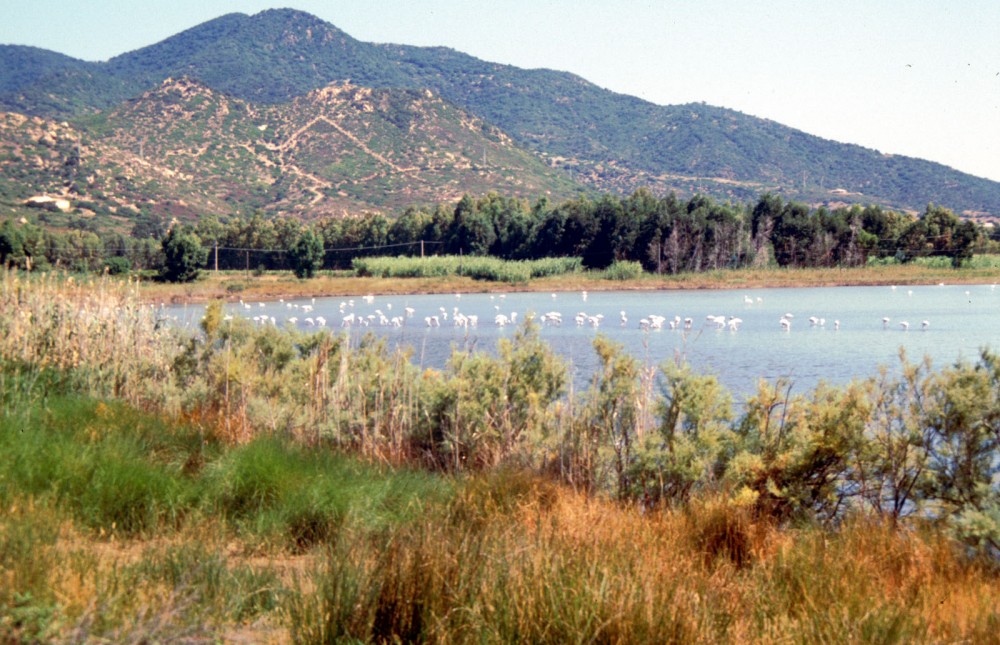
91, 329
476, 267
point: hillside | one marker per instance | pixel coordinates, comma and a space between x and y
183, 149
610, 142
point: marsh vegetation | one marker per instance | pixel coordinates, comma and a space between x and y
291, 486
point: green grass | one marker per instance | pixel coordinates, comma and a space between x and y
277, 540
302, 497
620, 270
476, 267
79, 473
117, 470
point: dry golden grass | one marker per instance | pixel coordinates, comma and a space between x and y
557, 566
532, 561
710, 573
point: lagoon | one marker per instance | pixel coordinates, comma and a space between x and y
848, 339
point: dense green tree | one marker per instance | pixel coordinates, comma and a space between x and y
210, 230
440, 225
374, 232
511, 223
581, 226
724, 237
790, 230
964, 240
183, 256
117, 265
657, 241
612, 235
11, 243
762, 221
408, 228
549, 234
472, 233
306, 257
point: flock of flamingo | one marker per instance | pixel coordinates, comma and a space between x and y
349, 317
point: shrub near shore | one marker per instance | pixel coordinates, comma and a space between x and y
827, 460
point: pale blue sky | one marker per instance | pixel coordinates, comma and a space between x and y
912, 77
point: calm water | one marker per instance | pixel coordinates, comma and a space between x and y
962, 320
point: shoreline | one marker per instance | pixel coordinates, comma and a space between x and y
233, 286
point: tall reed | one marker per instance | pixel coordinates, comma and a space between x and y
477, 267
95, 328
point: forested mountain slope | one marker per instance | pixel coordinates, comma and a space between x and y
609, 141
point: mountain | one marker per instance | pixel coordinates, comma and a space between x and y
608, 141
184, 149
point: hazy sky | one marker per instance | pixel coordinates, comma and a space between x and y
911, 77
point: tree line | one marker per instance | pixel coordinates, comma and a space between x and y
666, 235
